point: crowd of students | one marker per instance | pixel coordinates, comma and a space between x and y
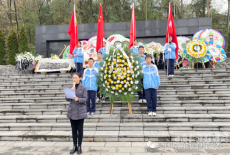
87, 92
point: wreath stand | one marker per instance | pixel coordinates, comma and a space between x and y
129, 105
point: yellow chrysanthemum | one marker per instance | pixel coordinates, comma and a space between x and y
106, 68
129, 85
115, 68
120, 85
119, 65
122, 72
119, 78
125, 63
118, 57
106, 75
128, 68
124, 76
112, 87
120, 60
124, 81
128, 75
107, 83
131, 63
124, 57
115, 82
122, 88
117, 88
125, 71
108, 63
114, 62
114, 75
122, 68
131, 78
110, 80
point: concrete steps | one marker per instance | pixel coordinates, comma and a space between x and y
194, 102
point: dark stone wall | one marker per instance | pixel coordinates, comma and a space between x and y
52, 38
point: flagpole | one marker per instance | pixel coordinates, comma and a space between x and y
133, 26
168, 47
75, 23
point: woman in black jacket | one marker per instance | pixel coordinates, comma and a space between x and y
77, 112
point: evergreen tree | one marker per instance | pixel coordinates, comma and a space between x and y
228, 49
12, 44
2, 48
23, 40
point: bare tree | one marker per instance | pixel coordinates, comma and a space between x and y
16, 16
104, 11
182, 9
228, 15
208, 8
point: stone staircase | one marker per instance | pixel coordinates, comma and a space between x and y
193, 103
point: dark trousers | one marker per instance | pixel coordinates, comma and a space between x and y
92, 98
79, 68
100, 96
151, 98
77, 131
140, 94
170, 66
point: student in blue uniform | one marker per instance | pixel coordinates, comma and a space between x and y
141, 95
151, 84
134, 49
78, 58
170, 56
96, 65
103, 50
90, 81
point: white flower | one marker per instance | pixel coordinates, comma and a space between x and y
137, 66
128, 71
136, 87
111, 81
137, 62
128, 78
125, 86
105, 81
105, 71
131, 57
136, 82
124, 68
135, 69
131, 82
122, 65
122, 82
120, 91
133, 75
103, 85
109, 76
117, 85
132, 93
118, 81
106, 89
112, 92
129, 89
132, 61
108, 86
116, 93
104, 77
127, 82
125, 93
113, 88
114, 59
125, 73
122, 77
115, 77
101, 74
136, 75
123, 61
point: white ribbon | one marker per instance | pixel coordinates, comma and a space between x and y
126, 56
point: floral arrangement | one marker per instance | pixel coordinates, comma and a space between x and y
24, 56
119, 75
54, 56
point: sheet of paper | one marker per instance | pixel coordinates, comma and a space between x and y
69, 93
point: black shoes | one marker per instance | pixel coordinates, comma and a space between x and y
74, 149
79, 150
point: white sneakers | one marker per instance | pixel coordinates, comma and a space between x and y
92, 113
142, 101
97, 100
88, 113
152, 113
171, 76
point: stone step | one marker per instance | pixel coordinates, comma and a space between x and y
61, 98
126, 118
163, 82
116, 126
112, 136
25, 91
120, 110
164, 86
60, 92
53, 105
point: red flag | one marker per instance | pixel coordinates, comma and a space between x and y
171, 31
132, 36
100, 30
73, 32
